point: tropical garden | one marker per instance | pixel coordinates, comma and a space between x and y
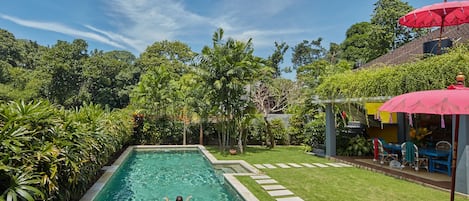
66, 111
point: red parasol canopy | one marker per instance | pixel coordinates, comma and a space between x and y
455, 100
437, 15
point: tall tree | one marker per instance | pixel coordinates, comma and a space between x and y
357, 45
277, 57
161, 63
30, 53
9, 50
106, 78
307, 52
175, 53
63, 63
231, 66
387, 33
272, 97
334, 53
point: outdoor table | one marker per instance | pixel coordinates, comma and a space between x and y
433, 153
394, 148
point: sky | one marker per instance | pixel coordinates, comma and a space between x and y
133, 25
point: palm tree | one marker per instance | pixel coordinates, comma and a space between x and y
231, 66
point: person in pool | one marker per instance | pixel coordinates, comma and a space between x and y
179, 198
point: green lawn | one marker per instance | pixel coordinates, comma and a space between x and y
329, 183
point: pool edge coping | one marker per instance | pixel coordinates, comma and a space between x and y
92, 192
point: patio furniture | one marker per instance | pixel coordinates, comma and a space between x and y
381, 154
410, 156
393, 148
442, 165
443, 145
443, 158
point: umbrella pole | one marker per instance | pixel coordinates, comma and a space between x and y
455, 155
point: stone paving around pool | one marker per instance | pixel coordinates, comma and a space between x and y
279, 192
300, 165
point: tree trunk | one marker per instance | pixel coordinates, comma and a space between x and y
270, 136
184, 134
201, 134
240, 142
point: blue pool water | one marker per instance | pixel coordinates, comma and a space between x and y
154, 175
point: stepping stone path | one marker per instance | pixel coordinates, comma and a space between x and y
274, 189
280, 192
283, 165
296, 165
308, 165
320, 165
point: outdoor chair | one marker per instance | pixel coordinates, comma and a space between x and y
442, 165
443, 145
382, 155
410, 156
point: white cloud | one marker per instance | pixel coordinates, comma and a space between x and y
266, 38
257, 8
117, 37
156, 20
151, 21
59, 28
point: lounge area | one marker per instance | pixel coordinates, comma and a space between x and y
424, 177
433, 158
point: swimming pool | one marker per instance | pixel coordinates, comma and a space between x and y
155, 172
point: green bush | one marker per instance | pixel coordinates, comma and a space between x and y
316, 130
356, 146
279, 132
48, 153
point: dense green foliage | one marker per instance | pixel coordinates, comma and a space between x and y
65, 73
49, 153
431, 73
366, 41
81, 102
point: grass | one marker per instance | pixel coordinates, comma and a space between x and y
329, 183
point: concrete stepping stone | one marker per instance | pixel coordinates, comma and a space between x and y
266, 181
282, 165
260, 177
270, 166
295, 165
308, 165
290, 199
275, 193
259, 166
345, 165
334, 164
273, 187
320, 165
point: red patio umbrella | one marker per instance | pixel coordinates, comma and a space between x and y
453, 101
437, 15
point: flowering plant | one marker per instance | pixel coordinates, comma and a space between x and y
417, 135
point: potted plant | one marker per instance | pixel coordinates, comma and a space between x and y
233, 151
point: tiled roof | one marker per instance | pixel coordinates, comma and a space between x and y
413, 50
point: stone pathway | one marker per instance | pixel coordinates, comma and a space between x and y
296, 165
279, 192
274, 189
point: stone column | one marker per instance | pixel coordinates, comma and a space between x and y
462, 176
330, 131
402, 128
